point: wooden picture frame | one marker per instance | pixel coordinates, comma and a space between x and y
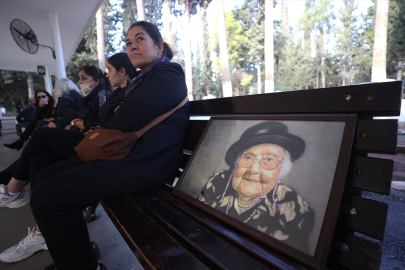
240, 172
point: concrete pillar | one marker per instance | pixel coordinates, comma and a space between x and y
48, 81
57, 44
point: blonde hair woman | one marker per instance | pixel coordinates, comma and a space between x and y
67, 95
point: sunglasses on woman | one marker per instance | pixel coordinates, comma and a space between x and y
39, 97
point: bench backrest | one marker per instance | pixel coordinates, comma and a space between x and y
357, 214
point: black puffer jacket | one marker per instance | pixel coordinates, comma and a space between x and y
89, 107
67, 104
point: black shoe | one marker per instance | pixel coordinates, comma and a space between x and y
95, 249
52, 266
15, 145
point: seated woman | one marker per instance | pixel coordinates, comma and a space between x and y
65, 188
120, 74
120, 71
44, 103
96, 95
251, 191
67, 97
24, 117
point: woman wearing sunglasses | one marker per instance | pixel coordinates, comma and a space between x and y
43, 109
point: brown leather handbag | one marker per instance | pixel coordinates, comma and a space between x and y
111, 144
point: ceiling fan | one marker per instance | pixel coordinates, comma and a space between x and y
25, 37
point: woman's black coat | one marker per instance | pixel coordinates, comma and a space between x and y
67, 104
88, 108
155, 157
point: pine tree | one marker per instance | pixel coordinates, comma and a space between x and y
347, 41
152, 8
14, 89
207, 73
86, 52
396, 40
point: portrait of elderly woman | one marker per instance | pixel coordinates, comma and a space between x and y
252, 190
272, 174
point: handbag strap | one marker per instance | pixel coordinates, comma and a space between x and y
159, 119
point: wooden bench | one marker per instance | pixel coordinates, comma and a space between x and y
165, 232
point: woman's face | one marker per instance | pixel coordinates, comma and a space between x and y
116, 78
42, 96
141, 49
254, 181
84, 78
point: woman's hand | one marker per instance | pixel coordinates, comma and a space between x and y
79, 124
71, 127
42, 102
116, 108
52, 125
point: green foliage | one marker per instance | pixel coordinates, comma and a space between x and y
86, 52
14, 89
153, 13
396, 36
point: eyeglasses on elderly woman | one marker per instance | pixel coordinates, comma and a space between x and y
266, 163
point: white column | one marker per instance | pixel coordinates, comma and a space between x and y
48, 81
57, 44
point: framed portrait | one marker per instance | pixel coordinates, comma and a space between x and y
277, 178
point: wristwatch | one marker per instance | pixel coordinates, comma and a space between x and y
73, 122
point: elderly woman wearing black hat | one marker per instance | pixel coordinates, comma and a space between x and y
251, 191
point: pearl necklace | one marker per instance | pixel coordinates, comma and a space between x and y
244, 208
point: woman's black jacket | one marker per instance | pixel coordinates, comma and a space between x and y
155, 157
67, 104
88, 108
40, 112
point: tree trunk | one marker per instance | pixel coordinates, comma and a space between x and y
223, 50
285, 26
400, 67
30, 82
259, 79
187, 51
140, 7
322, 57
269, 48
100, 39
317, 78
344, 76
207, 73
378, 72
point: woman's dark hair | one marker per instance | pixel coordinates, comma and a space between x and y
51, 100
154, 33
121, 60
97, 74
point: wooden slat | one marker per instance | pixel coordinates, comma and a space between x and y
363, 215
213, 238
354, 252
377, 99
371, 174
151, 245
379, 136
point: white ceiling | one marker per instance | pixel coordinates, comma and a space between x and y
74, 16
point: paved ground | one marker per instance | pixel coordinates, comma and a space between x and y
394, 241
115, 253
393, 257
